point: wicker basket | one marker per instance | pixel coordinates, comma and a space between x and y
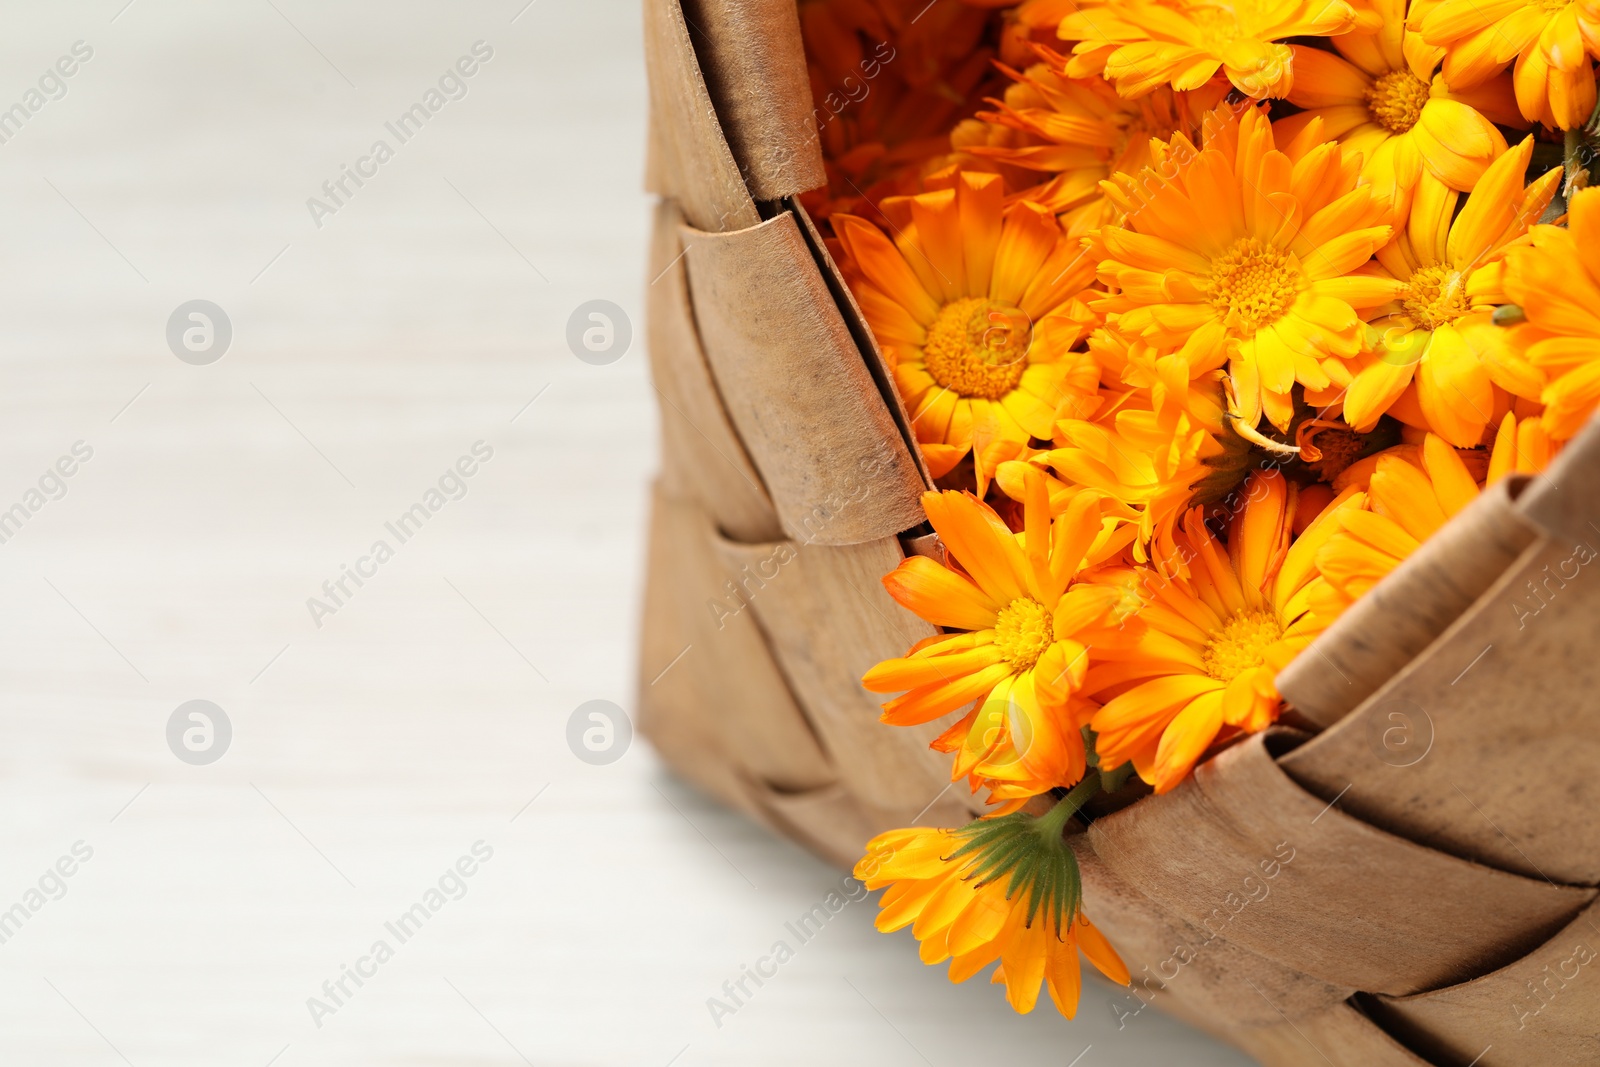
1411, 885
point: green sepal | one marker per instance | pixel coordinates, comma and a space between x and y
1032, 854
1113, 780
1509, 315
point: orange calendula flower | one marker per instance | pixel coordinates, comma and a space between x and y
1556, 282
1027, 626
1410, 493
886, 88
836, 32
934, 38
1380, 95
974, 303
1205, 663
1438, 339
1253, 249
1154, 438
1140, 44
1076, 132
1029, 23
962, 913
1551, 42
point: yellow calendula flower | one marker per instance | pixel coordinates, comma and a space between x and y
1210, 649
1551, 41
1409, 494
963, 906
1556, 281
1026, 624
1438, 339
1254, 249
975, 304
1380, 94
1140, 44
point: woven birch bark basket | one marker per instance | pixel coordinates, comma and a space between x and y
1414, 883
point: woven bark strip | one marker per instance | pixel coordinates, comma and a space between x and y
690, 161
1540, 1009
1383, 630
703, 458
795, 592
1340, 1037
856, 322
1564, 502
823, 820
714, 698
1485, 745
1353, 906
832, 821
1275, 1013
1193, 971
681, 715
797, 389
718, 671
755, 70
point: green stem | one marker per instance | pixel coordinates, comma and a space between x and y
1113, 780
1578, 150
1052, 823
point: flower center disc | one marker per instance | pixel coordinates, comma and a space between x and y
1022, 631
1218, 25
1253, 284
1437, 295
1242, 644
978, 348
1395, 100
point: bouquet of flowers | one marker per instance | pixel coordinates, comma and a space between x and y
1204, 319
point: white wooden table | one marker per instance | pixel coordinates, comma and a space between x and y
428, 712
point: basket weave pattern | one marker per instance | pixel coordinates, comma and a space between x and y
1413, 884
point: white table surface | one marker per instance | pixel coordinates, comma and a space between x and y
371, 752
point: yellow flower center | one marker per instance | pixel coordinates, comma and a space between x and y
1253, 284
1023, 630
1241, 644
978, 347
1395, 100
1437, 295
1218, 25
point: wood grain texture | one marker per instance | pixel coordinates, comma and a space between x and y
1352, 906
691, 161
796, 388
1485, 745
1340, 1037
1542, 1009
755, 70
702, 456
1193, 970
